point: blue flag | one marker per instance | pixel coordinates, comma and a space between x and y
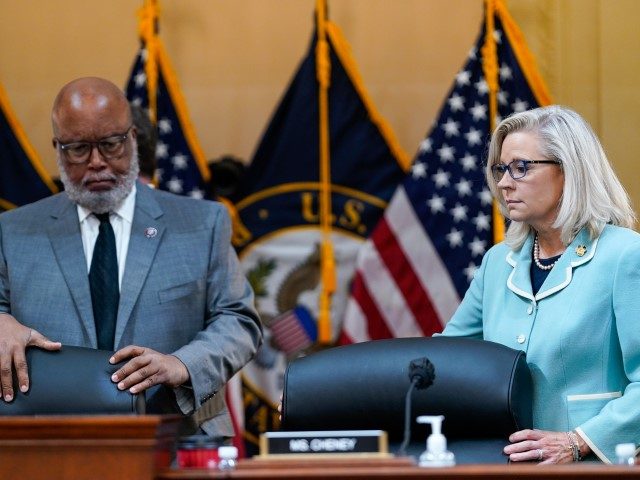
421, 257
22, 177
279, 204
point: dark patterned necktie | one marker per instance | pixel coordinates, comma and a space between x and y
103, 280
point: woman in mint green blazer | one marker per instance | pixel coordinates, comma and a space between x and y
563, 286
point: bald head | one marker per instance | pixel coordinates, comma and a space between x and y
89, 99
91, 115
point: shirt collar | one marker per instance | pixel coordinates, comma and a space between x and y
125, 210
579, 251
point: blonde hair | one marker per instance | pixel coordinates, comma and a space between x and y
592, 195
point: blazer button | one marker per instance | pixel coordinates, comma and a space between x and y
520, 339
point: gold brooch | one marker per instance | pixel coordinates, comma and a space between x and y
581, 250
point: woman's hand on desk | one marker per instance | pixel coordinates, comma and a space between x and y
542, 446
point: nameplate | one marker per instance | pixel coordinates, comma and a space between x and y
336, 442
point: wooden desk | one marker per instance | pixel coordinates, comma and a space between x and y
400, 468
86, 447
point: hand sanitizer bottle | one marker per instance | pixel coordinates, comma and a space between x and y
626, 453
228, 457
436, 454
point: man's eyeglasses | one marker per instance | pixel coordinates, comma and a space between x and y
517, 168
80, 152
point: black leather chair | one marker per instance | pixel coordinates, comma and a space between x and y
73, 380
482, 388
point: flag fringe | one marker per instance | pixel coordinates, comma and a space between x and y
181, 110
257, 390
343, 51
240, 233
524, 56
21, 136
158, 60
5, 205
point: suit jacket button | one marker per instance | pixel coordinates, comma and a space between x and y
520, 339
207, 397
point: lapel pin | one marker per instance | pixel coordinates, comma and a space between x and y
581, 250
150, 232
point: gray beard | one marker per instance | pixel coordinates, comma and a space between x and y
102, 202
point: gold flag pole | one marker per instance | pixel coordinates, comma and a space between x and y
327, 262
490, 69
148, 30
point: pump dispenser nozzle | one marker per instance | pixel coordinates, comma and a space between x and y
436, 454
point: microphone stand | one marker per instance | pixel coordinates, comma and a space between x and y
422, 375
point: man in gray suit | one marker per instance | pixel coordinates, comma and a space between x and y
183, 319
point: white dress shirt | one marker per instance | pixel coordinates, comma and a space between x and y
121, 220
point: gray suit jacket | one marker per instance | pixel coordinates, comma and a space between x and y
182, 291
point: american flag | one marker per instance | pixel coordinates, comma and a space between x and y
182, 167
294, 330
421, 257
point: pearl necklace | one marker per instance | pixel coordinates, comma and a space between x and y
536, 256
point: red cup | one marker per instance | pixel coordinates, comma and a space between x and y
197, 451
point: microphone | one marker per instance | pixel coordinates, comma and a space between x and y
422, 374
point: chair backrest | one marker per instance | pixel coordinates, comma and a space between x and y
73, 380
482, 388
